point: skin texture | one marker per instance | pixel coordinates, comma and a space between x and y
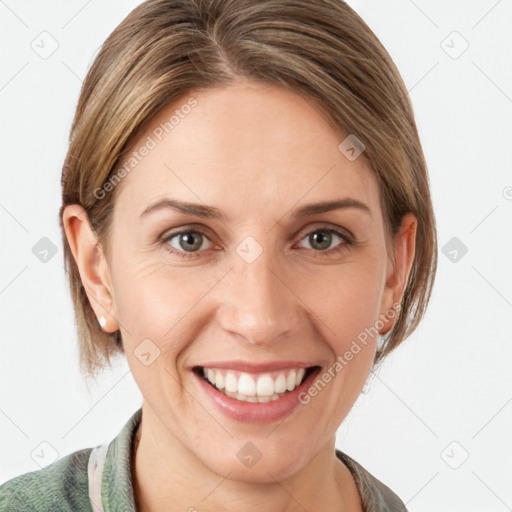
257, 153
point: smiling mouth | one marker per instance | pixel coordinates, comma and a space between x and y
255, 388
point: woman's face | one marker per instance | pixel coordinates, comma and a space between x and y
257, 288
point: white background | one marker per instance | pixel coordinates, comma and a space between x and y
443, 395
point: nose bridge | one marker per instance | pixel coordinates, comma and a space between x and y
257, 304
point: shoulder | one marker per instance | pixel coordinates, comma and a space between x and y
59, 487
375, 495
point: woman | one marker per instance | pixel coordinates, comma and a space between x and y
246, 217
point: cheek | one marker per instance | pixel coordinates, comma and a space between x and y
159, 310
345, 302
345, 314
157, 302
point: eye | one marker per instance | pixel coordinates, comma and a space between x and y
185, 243
320, 240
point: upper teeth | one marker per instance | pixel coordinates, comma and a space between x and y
264, 385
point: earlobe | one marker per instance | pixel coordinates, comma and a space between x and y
91, 264
404, 247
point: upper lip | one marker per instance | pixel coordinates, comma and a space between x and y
252, 367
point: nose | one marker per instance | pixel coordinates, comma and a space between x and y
257, 301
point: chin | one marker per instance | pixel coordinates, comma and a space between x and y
260, 461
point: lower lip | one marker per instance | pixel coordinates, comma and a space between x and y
256, 412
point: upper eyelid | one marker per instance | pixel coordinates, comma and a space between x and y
343, 231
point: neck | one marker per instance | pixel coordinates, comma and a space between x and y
166, 472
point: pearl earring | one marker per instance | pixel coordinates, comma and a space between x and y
103, 321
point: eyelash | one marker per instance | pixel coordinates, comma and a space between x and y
189, 255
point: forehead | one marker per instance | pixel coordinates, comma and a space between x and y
241, 147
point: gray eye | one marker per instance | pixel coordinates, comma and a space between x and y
321, 239
189, 241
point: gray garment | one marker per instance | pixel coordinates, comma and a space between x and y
68, 485
376, 496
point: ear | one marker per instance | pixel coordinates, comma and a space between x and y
398, 274
91, 263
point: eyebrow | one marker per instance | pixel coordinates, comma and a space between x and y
211, 212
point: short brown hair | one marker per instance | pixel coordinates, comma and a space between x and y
320, 49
